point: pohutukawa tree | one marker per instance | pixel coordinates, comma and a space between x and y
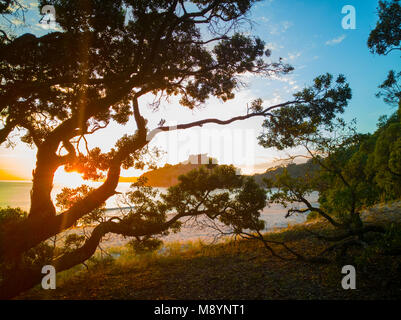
386, 36
65, 85
344, 182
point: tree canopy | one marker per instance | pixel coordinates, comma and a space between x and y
386, 36
58, 88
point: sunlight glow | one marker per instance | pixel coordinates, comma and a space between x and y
68, 179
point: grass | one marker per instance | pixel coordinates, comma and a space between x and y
228, 270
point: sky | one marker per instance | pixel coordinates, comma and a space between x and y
307, 34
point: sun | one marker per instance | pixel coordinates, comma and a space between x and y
68, 179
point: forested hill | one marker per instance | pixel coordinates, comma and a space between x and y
168, 175
294, 170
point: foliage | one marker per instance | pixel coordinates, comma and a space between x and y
355, 172
40, 255
390, 89
156, 51
343, 184
387, 34
294, 170
11, 215
316, 106
145, 246
388, 244
70, 196
391, 240
12, 13
383, 152
216, 195
233, 270
94, 70
72, 242
104, 57
384, 146
244, 212
167, 175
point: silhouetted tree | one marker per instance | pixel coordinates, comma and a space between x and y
65, 85
386, 37
353, 170
10, 8
390, 89
344, 182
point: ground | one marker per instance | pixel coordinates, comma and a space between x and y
233, 270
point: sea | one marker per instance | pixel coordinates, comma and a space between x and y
17, 194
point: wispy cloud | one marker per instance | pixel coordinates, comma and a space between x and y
336, 41
286, 25
273, 46
264, 19
293, 56
282, 27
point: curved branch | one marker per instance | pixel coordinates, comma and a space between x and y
23, 279
200, 123
322, 213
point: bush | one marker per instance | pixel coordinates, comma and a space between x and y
145, 246
391, 241
42, 254
388, 243
312, 216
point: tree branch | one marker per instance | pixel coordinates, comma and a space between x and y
200, 123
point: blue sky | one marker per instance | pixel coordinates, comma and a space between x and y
308, 35
311, 38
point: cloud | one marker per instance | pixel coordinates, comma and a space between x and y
286, 25
336, 41
264, 19
293, 56
285, 79
273, 46
282, 27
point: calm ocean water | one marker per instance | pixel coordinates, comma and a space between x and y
17, 194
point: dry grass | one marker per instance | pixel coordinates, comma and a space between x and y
231, 270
